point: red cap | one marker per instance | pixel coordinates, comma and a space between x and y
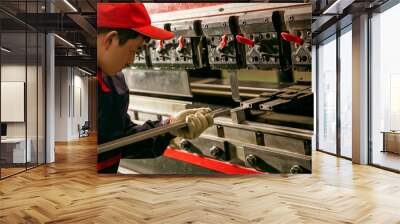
129, 16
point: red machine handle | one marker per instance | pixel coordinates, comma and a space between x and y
244, 40
223, 42
291, 38
181, 43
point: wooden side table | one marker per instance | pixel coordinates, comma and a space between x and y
391, 141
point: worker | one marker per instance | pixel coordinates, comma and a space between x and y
122, 29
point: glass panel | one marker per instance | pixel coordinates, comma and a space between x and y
22, 79
327, 95
32, 86
14, 153
41, 91
385, 84
346, 93
41, 99
32, 96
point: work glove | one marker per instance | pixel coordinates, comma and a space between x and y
197, 120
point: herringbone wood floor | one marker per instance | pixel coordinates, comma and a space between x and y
70, 191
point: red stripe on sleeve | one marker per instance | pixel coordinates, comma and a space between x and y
103, 86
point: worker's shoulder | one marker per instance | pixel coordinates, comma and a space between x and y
120, 83
119, 76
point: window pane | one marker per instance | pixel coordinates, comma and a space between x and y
345, 93
31, 99
327, 96
385, 84
15, 149
41, 99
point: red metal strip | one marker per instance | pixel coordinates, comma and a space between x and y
109, 162
212, 164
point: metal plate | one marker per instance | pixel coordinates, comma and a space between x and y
245, 136
158, 82
278, 159
290, 144
163, 165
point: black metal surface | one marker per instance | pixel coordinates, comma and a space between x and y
49, 22
300, 25
325, 25
184, 51
223, 56
265, 52
285, 51
79, 61
288, 120
44, 22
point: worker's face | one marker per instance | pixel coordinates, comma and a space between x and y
113, 57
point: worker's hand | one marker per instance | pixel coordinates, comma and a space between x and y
198, 120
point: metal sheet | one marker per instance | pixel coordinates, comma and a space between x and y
266, 128
156, 105
289, 144
163, 165
158, 81
281, 161
245, 136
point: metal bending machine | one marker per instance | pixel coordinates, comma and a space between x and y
254, 62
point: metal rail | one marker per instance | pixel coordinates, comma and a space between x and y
118, 143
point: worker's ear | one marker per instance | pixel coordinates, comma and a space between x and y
109, 38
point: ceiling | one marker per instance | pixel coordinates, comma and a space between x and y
22, 21
332, 15
40, 5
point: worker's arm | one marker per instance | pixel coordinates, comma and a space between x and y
149, 148
108, 162
197, 121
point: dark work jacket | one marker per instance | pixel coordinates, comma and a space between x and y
113, 122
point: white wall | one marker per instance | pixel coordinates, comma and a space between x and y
62, 82
80, 102
14, 73
34, 125
71, 94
